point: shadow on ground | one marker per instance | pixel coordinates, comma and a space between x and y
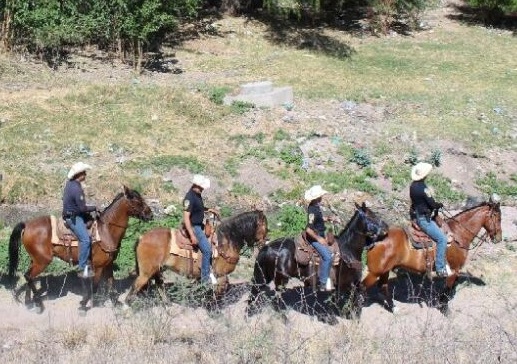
53, 287
414, 288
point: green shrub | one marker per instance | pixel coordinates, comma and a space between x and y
241, 107
490, 184
217, 94
435, 158
443, 190
290, 220
361, 157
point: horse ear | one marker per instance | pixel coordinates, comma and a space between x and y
125, 190
357, 206
364, 205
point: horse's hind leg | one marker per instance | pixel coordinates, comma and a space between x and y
34, 270
140, 282
158, 279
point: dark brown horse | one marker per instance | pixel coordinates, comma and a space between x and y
276, 261
153, 251
36, 235
396, 250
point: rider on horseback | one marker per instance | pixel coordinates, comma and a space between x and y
316, 234
193, 217
76, 214
423, 206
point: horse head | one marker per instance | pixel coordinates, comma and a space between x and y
137, 207
374, 227
492, 224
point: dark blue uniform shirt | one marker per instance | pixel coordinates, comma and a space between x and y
422, 203
315, 219
193, 203
73, 200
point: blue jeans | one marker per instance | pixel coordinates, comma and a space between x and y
434, 231
206, 250
325, 262
85, 244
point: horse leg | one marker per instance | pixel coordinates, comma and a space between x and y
110, 280
447, 294
158, 279
385, 290
34, 270
140, 282
261, 277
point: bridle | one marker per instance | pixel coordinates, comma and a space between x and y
483, 238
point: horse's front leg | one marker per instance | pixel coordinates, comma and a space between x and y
110, 283
89, 287
447, 293
385, 291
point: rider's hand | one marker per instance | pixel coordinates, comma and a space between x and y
322, 240
439, 205
194, 240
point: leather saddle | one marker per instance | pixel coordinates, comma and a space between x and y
62, 235
420, 240
182, 246
305, 253
183, 239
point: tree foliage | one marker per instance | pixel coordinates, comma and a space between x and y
127, 27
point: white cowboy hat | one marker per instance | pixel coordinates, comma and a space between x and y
420, 171
201, 181
314, 192
78, 168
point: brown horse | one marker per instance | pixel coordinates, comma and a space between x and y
396, 251
153, 251
36, 236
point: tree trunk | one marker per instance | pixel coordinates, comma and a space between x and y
6, 31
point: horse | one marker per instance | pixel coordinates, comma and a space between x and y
395, 250
36, 236
153, 251
276, 261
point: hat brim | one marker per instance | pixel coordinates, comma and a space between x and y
424, 173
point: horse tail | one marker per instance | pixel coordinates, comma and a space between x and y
137, 268
14, 248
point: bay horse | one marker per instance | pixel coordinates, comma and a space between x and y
395, 249
153, 251
36, 236
276, 261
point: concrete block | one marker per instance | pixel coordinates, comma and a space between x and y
275, 97
254, 88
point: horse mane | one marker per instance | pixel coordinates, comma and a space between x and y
131, 194
240, 228
482, 204
117, 197
343, 237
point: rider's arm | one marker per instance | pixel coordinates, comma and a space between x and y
315, 236
188, 226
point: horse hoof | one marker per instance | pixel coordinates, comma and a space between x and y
395, 310
36, 309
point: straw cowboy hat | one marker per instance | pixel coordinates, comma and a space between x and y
314, 192
420, 171
201, 181
78, 168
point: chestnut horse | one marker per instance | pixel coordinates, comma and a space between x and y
153, 251
276, 261
396, 250
36, 237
